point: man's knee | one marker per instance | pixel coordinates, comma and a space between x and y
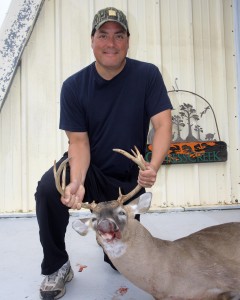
46, 188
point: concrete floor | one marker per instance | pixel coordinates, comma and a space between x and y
21, 255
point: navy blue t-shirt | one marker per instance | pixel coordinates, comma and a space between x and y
115, 113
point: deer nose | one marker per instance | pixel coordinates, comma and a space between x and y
106, 225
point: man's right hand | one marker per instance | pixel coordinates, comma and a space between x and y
73, 195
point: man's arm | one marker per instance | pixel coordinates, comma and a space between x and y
162, 124
79, 153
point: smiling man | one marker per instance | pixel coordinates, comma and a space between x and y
106, 105
110, 45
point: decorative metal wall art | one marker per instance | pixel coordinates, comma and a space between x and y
195, 136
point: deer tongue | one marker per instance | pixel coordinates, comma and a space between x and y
108, 230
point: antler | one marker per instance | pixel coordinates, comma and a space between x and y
57, 176
138, 159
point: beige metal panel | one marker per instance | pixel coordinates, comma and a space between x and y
210, 68
58, 74
145, 31
38, 104
203, 79
188, 40
213, 184
232, 105
75, 36
178, 62
10, 151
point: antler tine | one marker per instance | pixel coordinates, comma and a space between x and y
138, 159
57, 176
90, 206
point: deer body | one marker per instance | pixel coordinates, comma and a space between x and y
199, 266
202, 266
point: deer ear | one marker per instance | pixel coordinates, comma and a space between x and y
142, 204
81, 226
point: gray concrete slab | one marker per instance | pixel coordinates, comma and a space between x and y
21, 255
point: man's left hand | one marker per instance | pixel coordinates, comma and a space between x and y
148, 177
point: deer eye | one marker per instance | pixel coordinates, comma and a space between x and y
94, 219
122, 213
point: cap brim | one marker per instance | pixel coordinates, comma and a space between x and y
105, 21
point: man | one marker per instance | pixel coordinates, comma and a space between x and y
107, 105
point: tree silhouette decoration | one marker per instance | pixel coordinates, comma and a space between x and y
178, 121
189, 113
198, 129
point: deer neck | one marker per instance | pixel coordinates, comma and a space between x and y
117, 247
135, 235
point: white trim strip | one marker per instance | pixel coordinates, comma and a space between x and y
14, 34
236, 6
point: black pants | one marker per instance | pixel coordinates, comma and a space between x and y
53, 216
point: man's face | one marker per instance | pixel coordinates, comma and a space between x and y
110, 45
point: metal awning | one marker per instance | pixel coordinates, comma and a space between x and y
14, 34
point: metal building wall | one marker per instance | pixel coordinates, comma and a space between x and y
191, 40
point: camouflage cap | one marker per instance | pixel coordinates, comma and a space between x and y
109, 14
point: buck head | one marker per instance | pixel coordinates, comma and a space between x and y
110, 219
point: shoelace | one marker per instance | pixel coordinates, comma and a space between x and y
52, 278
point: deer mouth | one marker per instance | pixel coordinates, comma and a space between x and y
108, 230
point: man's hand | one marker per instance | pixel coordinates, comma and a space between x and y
148, 177
73, 195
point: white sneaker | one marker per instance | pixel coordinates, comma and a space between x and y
53, 286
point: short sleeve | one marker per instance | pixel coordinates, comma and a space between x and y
72, 115
157, 99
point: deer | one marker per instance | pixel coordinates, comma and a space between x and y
204, 265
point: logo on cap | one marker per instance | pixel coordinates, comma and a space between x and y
112, 13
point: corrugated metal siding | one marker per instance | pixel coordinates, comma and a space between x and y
192, 41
